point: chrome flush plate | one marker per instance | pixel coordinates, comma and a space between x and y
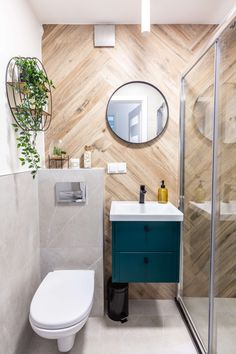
70, 192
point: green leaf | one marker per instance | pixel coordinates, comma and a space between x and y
36, 85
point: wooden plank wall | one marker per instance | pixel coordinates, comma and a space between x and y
85, 77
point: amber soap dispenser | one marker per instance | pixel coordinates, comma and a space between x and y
162, 195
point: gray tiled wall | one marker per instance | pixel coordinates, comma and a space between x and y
19, 258
71, 236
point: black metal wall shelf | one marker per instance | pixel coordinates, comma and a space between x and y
18, 93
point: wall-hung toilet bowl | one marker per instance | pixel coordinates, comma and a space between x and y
61, 305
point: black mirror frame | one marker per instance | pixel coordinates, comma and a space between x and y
167, 117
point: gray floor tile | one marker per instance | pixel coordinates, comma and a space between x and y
154, 327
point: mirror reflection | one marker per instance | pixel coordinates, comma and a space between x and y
137, 112
203, 113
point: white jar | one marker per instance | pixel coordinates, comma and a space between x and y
74, 163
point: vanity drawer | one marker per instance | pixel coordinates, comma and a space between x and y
146, 267
146, 236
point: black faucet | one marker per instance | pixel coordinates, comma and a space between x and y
142, 192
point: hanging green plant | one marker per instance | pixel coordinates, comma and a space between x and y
29, 97
26, 142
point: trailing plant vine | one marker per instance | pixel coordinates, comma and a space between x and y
26, 142
33, 87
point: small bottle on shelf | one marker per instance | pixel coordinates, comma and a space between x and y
88, 156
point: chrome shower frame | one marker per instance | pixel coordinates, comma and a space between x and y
201, 347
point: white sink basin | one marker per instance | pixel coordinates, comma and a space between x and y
149, 211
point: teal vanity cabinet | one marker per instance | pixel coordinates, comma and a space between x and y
146, 251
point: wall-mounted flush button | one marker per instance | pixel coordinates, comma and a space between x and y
116, 167
71, 192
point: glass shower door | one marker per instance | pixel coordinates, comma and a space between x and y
224, 339
197, 135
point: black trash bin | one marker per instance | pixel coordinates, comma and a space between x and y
117, 295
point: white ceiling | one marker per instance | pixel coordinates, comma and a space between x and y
128, 11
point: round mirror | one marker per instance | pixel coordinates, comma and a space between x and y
137, 112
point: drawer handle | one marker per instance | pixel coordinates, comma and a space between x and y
146, 260
146, 228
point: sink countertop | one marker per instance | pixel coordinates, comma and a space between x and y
149, 211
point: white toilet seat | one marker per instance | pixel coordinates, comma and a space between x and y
61, 306
63, 299
58, 333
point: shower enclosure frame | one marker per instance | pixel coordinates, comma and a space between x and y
215, 43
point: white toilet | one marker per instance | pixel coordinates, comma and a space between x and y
61, 305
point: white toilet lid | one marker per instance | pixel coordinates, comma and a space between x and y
63, 299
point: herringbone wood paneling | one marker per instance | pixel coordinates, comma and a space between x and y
85, 77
